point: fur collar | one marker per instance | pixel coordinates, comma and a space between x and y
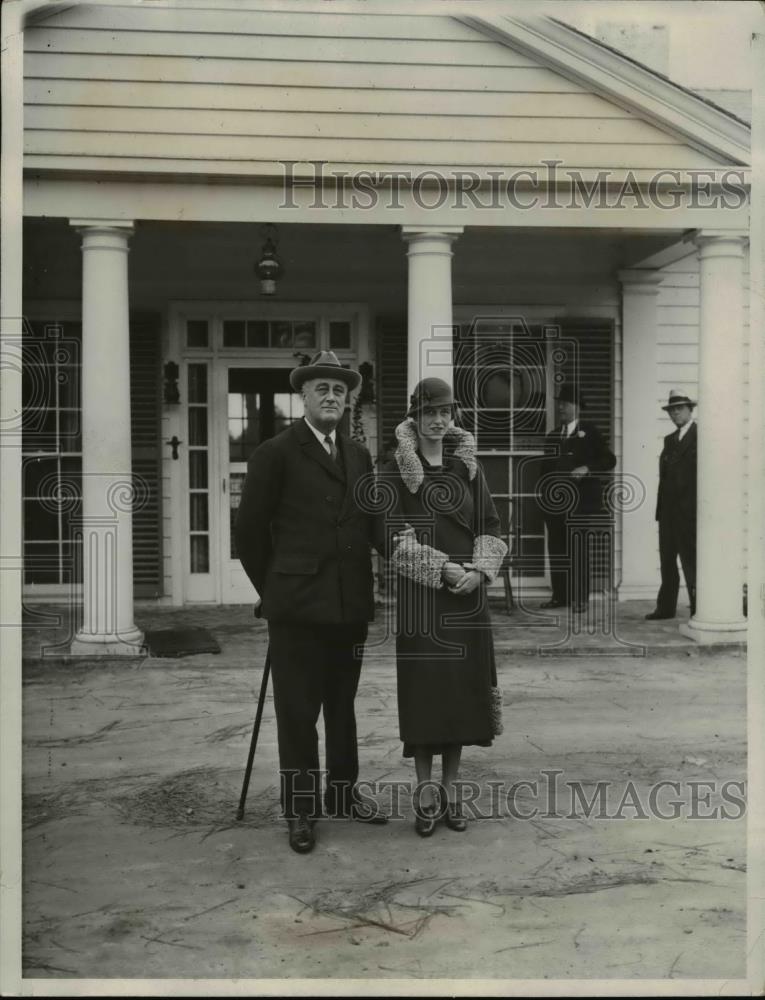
408, 461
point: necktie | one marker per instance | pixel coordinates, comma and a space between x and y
331, 446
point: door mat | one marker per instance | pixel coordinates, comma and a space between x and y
180, 642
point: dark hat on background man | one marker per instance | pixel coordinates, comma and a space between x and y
430, 392
570, 393
677, 398
324, 365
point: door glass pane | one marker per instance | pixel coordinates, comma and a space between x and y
196, 333
233, 332
257, 333
197, 384
198, 511
243, 424
236, 481
200, 554
305, 334
281, 333
198, 425
198, 470
339, 335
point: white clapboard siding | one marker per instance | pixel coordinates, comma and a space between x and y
417, 104
289, 49
195, 89
270, 150
264, 22
265, 124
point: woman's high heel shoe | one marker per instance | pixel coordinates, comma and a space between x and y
454, 817
425, 820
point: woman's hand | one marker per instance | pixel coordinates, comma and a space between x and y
471, 579
452, 573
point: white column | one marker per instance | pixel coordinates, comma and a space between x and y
639, 464
107, 545
720, 529
429, 342
11, 310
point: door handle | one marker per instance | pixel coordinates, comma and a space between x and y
174, 442
223, 483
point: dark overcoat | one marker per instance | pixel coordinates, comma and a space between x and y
445, 663
676, 499
302, 538
585, 446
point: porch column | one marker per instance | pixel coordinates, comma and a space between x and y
640, 537
107, 628
720, 530
429, 340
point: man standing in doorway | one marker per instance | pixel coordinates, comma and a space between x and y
305, 545
576, 454
676, 507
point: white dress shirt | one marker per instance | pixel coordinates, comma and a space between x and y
684, 429
320, 435
570, 427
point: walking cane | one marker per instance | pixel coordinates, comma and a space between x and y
255, 731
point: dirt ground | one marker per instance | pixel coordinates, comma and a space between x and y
135, 866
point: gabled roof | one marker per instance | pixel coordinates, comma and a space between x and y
623, 80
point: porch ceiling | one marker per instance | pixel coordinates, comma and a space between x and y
170, 261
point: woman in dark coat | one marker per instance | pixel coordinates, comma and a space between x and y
442, 537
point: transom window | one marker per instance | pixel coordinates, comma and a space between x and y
286, 333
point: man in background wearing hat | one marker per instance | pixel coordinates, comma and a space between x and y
305, 545
577, 452
676, 507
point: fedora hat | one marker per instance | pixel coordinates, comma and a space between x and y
430, 392
570, 393
324, 365
677, 398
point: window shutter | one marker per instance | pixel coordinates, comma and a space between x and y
391, 376
145, 412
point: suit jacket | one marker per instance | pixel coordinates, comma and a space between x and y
677, 477
301, 538
585, 446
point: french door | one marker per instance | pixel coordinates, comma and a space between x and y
254, 405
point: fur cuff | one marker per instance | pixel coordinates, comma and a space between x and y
488, 553
497, 727
420, 563
409, 464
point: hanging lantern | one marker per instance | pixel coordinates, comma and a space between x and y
269, 267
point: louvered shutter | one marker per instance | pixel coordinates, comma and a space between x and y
145, 413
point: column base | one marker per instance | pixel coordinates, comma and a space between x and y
128, 644
715, 633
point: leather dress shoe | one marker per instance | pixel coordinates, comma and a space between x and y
425, 820
368, 813
454, 817
655, 616
301, 835
553, 604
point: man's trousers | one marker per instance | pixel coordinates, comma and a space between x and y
316, 668
677, 538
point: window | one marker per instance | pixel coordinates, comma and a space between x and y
501, 382
273, 333
51, 452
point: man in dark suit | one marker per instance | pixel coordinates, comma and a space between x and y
305, 545
572, 498
676, 507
